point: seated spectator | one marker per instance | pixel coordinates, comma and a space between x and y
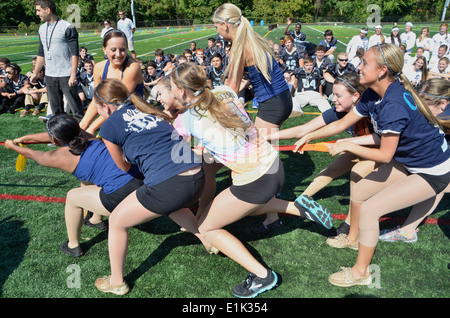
335, 70
330, 44
211, 48
220, 48
85, 56
441, 70
36, 95
163, 63
200, 59
292, 58
215, 71
356, 60
434, 60
416, 72
226, 58
86, 80
188, 54
193, 47
150, 80
14, 84
3, 62
297, 35
308, 89
320, 60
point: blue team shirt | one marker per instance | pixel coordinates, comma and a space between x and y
421, 147
97, 166
149, 142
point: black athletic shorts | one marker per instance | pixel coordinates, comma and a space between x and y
110, 201
172, 194
263, 189
277, 109
438, 183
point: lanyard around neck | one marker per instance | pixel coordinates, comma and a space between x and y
47, 40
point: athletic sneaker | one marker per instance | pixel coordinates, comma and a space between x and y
264, 229
75, 252
253, 285
103, 285
313, 211
343, 228
394, 235
345, 278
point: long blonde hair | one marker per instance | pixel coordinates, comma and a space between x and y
392, 57
114, 92
245, 35
191, 77
433, 92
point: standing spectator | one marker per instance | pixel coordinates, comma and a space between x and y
107, 27
336, 70
127, 26
441, 38
378, 37
13, 95
58, 50
296, 34
356, 42
425, 42
330, 44
394, 38
408, 37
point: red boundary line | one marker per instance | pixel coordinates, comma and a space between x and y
18, 197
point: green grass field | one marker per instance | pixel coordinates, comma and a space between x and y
164, 262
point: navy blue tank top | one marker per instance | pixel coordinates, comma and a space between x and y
139, 87
97, 166
263, 89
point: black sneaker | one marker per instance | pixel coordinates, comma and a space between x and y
76, 251
264, 229
310, 209
253, 285
344, 227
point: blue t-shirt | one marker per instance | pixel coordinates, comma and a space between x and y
97, 166
421, 147
263, 89
149, 142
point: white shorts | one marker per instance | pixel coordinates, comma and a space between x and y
312, 98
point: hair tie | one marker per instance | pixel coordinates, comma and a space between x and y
431, 95
196, 92
223, 20
347, 83
390, 69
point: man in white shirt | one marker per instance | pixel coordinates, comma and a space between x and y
357, 42
408, 37
127, 26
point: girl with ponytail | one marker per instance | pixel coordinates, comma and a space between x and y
218, 122
251, 52
413, 151
87, 158
136, 133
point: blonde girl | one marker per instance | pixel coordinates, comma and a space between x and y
414, 154
218, 122
251, 52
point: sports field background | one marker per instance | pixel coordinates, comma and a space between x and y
165, 262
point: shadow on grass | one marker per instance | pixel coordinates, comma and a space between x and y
14, 240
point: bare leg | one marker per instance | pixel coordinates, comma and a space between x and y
78, 199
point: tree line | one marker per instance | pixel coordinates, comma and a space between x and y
15, 12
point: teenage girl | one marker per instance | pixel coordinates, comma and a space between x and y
347, 91
414, 154
218, 122
87, 159
173, 177
436, 95
250, 52
118, 65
